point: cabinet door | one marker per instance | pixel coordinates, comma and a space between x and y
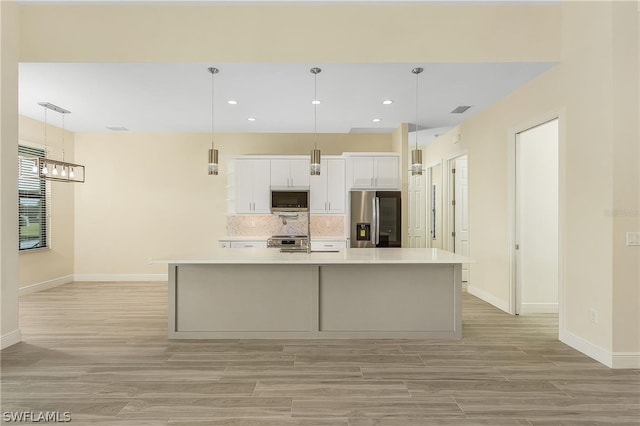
335, 189
244, 186
261, 186
386, 172
318, 189
362, 172
280, 173
299, 171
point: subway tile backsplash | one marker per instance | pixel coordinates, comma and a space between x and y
268, 225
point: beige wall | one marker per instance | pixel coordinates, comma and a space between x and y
148, 195
41, 266
9, 40
585, 85
381, 33
593, 91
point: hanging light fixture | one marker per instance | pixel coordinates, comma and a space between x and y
51, 169
315, 152
213, 153
416, 154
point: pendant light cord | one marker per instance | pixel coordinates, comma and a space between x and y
417, 97
63, 145
45, 131
212, 104
315, 111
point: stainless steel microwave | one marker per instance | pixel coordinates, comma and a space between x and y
289, 200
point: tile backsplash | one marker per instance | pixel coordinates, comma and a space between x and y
268, 225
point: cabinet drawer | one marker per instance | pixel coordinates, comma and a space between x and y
248, 244
328, 245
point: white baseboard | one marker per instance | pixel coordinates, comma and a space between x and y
539, 308
10, 339
489, 298
603, 356
33, 288
121, 277
626, 360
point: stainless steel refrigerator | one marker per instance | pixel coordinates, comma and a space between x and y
376, 219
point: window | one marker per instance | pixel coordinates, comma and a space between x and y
32, 201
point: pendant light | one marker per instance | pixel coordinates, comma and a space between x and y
213, 153
416, 154
315, 152
51, 169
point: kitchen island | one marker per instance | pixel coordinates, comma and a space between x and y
353, 293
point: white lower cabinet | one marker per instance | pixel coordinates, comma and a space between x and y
242, 243
249, 244
328, 245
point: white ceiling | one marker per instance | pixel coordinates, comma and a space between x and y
176, 98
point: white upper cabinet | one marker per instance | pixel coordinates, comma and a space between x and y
252, 194
290, 172
327, 191
373, 171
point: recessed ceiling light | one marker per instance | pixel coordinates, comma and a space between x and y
232, 102
387, 102
315, 102
251, 119
376, 120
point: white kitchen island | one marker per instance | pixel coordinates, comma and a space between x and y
354, 293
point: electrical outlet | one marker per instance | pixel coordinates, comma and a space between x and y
633, 238
593, 315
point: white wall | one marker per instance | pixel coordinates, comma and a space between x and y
537, 218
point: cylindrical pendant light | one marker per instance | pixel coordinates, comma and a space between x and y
315, 152
213, 153
416, 154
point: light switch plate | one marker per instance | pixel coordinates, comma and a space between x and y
633, 238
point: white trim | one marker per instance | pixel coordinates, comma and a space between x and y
617, 360
33, 288
11, 338
120, 277
489, 298
539, 308
591, 350
626, 360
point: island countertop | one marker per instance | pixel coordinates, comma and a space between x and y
348, 256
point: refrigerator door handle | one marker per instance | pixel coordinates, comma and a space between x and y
374, 224
377, 221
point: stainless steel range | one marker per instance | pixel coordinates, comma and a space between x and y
289, 243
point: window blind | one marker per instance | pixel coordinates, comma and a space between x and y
33, 201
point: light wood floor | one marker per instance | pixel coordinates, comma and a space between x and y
100, 351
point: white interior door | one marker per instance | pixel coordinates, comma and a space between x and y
537, 235
461, 211
417, 228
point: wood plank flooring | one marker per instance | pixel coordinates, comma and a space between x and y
100, 351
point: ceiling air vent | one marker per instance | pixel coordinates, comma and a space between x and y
117, 128
460, 109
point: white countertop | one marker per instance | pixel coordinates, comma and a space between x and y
263, 238
347, 256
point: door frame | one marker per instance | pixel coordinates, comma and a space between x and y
514, 291
449, 217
